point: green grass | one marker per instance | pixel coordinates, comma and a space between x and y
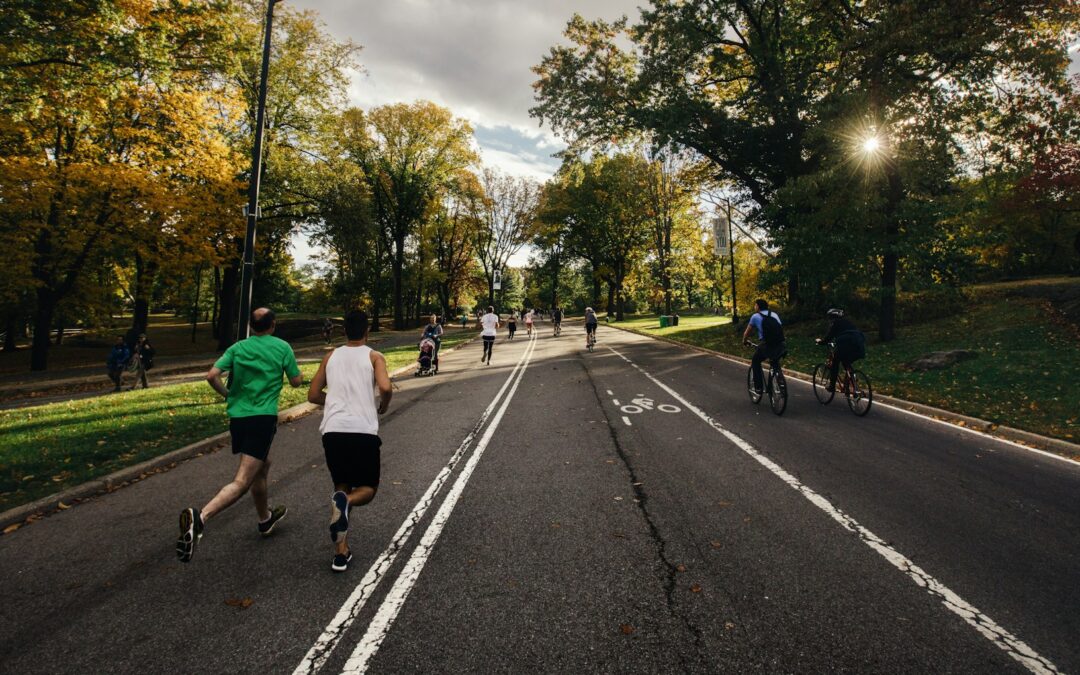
49, 448
1025, 374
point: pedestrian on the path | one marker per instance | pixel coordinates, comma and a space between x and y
489, 323
345, 385
255, 368
116, 362
511, 325
144, 360
529, 322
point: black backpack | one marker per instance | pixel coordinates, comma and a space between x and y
771, 330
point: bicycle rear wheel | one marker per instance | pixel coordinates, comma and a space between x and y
860, 393
755, 396
821, 382
777, 391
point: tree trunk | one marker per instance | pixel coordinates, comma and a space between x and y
43, 319
230, 280
620, 300
891, 262
141, 292
215, 319
10, 324
595, 291
195, 305
60, 330
610, 297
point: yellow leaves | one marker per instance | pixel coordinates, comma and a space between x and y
242, 603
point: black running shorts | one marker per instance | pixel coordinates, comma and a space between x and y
253, 435
353, 459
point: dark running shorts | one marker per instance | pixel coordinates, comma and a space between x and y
253, 435
353, 459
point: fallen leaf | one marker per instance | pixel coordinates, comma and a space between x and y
680, 568
714, 544
626, 629
618, 499
695, 588
242, 603
728, 625
62, 506
11, 528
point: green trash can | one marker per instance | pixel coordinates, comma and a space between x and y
665, 320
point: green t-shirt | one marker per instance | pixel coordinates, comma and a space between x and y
256, 364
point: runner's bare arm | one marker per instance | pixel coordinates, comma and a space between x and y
214, 378
316, 392
382, 380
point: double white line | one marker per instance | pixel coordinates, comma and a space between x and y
395, 599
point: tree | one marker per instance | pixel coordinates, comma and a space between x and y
507, 214
407, 153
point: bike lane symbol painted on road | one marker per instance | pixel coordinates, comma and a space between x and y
640, 404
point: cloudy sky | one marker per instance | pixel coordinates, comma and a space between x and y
472, 57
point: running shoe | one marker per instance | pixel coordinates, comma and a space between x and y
339, 516
191, 530
276, 514
341, 561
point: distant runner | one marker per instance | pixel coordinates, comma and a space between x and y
345, 384
489, 322
255, 366
529, 321
511, 325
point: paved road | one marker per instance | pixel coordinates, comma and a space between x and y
530, 518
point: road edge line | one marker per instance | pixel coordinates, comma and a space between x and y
1053, 448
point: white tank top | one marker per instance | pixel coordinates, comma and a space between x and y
350, 393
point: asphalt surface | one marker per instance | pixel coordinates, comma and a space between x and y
533, 516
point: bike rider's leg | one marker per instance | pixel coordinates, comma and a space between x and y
760, 354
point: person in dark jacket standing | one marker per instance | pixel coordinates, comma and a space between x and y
144, 352
850, 343
116, 362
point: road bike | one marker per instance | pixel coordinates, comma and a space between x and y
590, 339
855, 384
775, 384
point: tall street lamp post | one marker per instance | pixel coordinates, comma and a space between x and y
247, 273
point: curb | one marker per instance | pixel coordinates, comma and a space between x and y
60, 501
1057, 446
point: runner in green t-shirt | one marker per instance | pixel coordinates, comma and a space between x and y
255, 368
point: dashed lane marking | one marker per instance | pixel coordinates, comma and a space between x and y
626, 420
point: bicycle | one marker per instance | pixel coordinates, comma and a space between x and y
775, 384
857, 388
590, 339
558, 329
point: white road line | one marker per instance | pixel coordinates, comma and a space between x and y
627, 421
610, 393
321, 650
986, 626
616, 401
380, 625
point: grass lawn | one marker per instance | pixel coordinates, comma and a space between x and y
49, 448
1024, 376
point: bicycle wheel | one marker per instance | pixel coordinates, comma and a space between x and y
821, 382
777, 392
755, 396
860, 393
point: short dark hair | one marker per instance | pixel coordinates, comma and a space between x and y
763, 304
263, 323
356, 324
491, 309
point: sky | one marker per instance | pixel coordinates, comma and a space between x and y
472, 57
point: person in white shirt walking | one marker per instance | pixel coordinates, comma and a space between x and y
345, 385
489, 322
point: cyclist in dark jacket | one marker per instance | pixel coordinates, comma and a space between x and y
850, 343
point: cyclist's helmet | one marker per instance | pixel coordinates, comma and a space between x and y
588, 310
834, 314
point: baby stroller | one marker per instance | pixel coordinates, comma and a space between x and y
428, 361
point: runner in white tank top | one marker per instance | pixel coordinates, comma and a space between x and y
350, 392
345, 385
